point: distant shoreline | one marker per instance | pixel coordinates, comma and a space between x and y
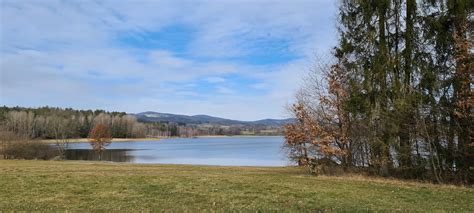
82, 140
225, 136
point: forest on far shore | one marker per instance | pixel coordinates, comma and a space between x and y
67, 123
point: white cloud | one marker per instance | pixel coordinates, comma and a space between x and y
215, 79
259, 86
166, 59
224, 90
63, 53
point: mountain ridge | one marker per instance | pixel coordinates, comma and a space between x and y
151, 116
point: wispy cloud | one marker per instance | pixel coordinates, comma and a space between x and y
224, 90
236, 59
215, 79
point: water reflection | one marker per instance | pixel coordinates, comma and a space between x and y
225, 151
115, 155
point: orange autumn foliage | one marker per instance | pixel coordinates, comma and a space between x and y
99, 138
320, 133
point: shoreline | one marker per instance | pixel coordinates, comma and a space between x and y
85, 140
242, 136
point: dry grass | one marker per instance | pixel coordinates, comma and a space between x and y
401, 182
73, 185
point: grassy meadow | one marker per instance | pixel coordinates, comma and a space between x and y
74, 185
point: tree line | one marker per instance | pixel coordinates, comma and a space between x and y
59, 123
396, 96
54, 123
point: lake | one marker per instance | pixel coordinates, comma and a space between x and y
223, 151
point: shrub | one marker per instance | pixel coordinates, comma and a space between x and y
24, 149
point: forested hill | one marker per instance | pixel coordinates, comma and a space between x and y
52, 122
204, 119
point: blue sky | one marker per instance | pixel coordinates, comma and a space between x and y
235, 59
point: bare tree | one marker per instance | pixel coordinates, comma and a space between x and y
61, 130
21, 122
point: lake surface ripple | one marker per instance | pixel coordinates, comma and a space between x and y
223, 151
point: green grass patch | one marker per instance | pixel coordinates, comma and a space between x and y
73, 185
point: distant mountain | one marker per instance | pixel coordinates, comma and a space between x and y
204, 119
273, 122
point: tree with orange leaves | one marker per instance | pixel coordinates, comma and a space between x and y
319, 136
99, 138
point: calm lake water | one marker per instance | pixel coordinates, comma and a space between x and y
224, 151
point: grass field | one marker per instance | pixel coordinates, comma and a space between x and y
73, 185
